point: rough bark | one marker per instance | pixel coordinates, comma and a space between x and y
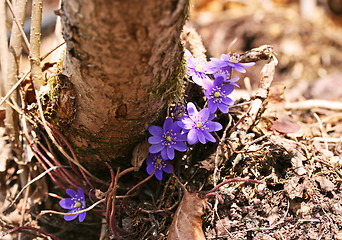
124, 59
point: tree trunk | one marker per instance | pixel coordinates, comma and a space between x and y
124, 59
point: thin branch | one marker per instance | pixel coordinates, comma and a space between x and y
51, 51
74, 213
32, 181
314, 103
15, 48
233, 180
28, 228
19, 25
36, 22
3, 47
13, 88
322, 131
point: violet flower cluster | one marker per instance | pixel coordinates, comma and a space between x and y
190, 124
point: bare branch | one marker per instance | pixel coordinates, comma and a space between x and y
15, 48
36, 22
19, 23
3, 47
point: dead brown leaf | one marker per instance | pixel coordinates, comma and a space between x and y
187, 222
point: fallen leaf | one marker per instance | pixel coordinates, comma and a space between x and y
285, 126
187, 222
139, 155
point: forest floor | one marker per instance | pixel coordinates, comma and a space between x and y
302, 199
294, 144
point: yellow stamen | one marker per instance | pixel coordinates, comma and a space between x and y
217, 94
78, 204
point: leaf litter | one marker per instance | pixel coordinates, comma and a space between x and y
299, 156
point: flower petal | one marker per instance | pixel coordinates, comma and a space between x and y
66, 203
164, 154
180, 137
228, 89
218, 81
170, 153
155, 130
204, 114
167, 124
155, 139
71, 193
209, 137
223, 107
207, 83
187, 123
239, 68
192, 137
214, 126
159, 174
167, 169
211, 116
176, 128
71, 217
80, 193
212, 106
228, 101
201, 137
180, 146
156, 148
250, 64
82, 216
150, 168
191, 108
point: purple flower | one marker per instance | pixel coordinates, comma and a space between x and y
226, 64
197, 68
217, 95
76, 202
162, 165
198, 125
165, 140
179, 111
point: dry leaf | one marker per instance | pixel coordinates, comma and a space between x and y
285, 126
187, 222
139, 155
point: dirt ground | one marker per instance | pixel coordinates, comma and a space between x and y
294, 145
302, 199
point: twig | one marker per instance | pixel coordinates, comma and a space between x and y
233, 180
219, 146
124, 202
19, 25
112, 200
12, 121
3, 47
24, 205
74, 213
322, 130
33, 180
13, 88
28, 228
314, 103
216, 163
51, 51
159, 210
35, 34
